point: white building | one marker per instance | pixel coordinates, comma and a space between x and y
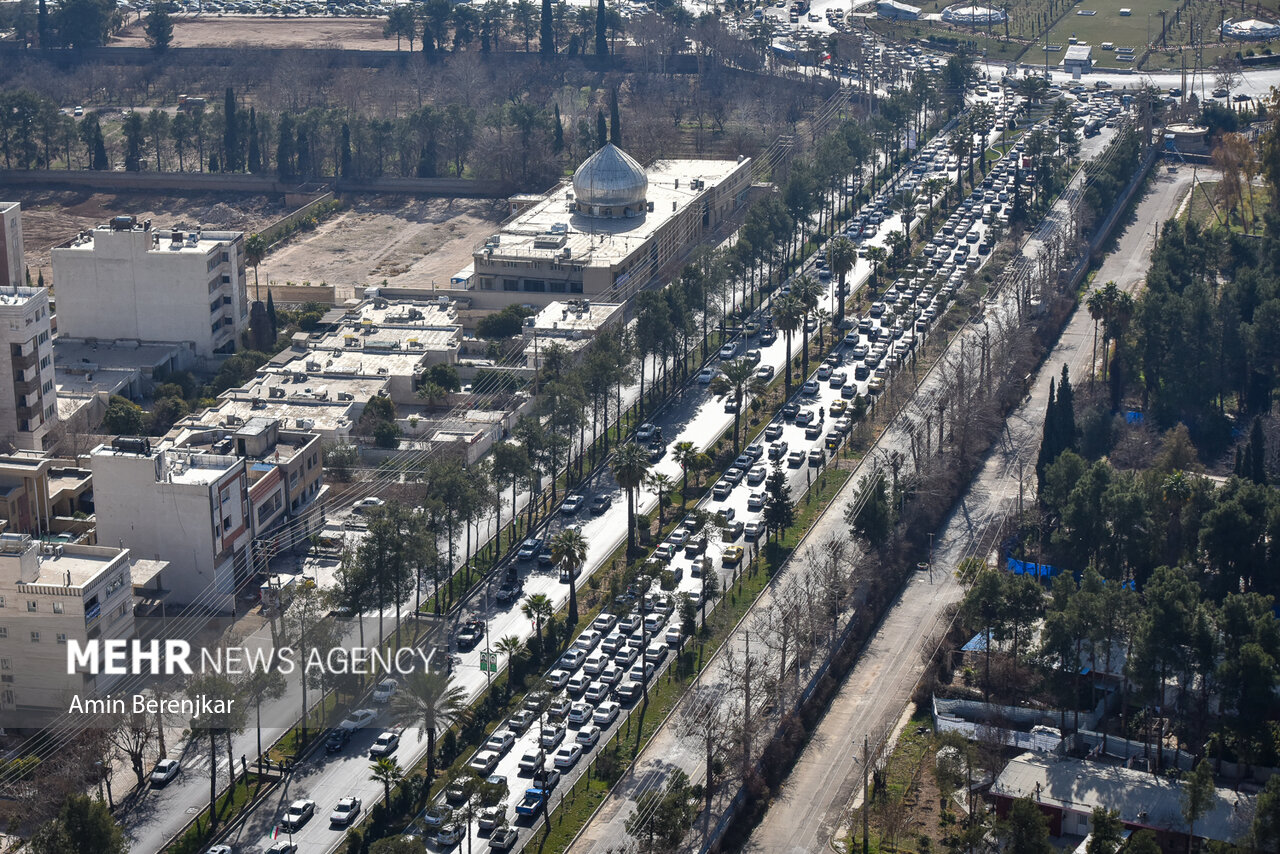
895, 11
969, 15
50, 594
125, 280
615, 229
11, 260
28, 398
1251, 29
186, 507
1078, 59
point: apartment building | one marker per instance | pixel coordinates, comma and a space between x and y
12, 272
185, 506
41, 495
126, 280
50, 594
28, 398
286, 480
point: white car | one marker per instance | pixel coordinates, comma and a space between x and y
358, 719
606, 714
345, 811
385, 744
551, 736
706, 375
386, 688
500, 742
572, 505
484, 762
728, 351
558, 678
567, 756
588, 736
165, 771
366, 504
297, 814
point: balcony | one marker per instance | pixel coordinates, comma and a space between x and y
21, 388
22, 362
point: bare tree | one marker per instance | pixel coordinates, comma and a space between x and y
706, 719
134, 738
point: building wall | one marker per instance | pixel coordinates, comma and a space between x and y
36, 620
178, 522
124, 285
12, 272
28, 399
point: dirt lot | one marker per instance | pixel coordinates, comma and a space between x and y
52, 217
407, 242
229, 31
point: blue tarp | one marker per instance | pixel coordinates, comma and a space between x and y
977, 644
1022, 567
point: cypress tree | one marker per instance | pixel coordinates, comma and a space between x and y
428, 41
344, 167
602, 129
285, 148
271, 314
255, 152
615, 120
557, 140
230, 133
546, 33
1066, 414
602, 41
1048, 438
42, 25
100, 163
1257, 471
40, 279
304, 155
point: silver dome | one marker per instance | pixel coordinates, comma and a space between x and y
610, 183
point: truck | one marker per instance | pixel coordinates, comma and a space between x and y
532, 803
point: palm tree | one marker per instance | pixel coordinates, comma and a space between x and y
630, 465
433, 702
877, 256
510, 646
808, 291
788, 314
538, 608
684, 453
824, 318
569, 552
841, 256
664, 485
1097, 310
255, 249
386, 770
906, 204
738, 378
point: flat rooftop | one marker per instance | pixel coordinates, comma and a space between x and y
81, 354
191, 242
296, 384
104, 381
600, 241
1141, 798
564, 318
386, 341
76, 566
17, 296
320, 417
420, 313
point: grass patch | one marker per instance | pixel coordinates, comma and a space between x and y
1246, 216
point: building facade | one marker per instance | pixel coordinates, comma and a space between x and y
28, 397
186, 507
125, 280
12, 272
610, 232
50, 594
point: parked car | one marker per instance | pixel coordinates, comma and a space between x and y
165, 771
385, 690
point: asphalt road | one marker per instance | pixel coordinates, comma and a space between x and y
816, 797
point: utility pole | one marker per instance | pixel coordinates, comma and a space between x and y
866, 792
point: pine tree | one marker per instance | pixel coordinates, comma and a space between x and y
230, 133
304, 155
602, 40
255, 152
615, 120
285, 150
557, 139
42, 25
428, 41
1257, 471
159, 28
779, 509
546, 34
602, 129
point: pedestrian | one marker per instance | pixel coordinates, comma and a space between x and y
821, 416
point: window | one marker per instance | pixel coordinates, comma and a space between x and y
6, 679
1, 601
6, 664
226, 523
47, 387
215, 283
214, 306
46, 362
510, 285
7, 697
57, 608
575, 287
213, 262
535, 286
32, 606
4, 631
557, 287
35, 637
226, 495
44, 337
62, 637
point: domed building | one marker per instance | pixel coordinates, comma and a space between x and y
610, 183
615, 228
